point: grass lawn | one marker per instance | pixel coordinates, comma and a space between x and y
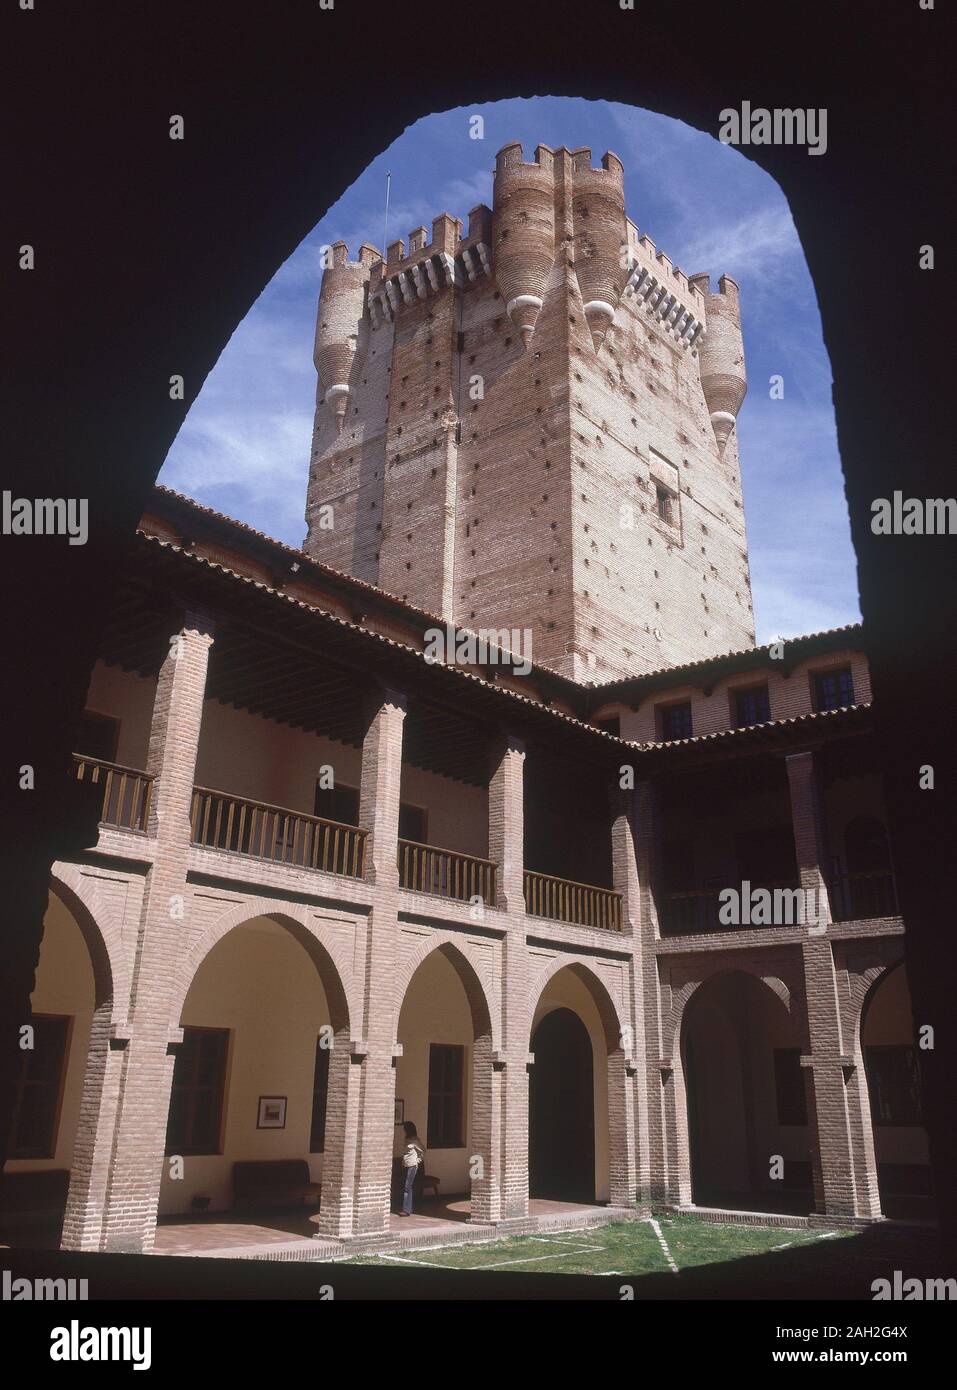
694, 1258
624, 1247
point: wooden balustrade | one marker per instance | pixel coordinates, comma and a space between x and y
126, 791
445, 872
563, 900
697, 910
859, 896
221, 821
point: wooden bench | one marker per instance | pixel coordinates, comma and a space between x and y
273, 1179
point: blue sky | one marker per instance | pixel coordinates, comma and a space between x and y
244, 446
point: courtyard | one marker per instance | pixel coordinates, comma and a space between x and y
684, 1255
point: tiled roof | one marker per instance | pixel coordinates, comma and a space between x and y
627, 685
457, 673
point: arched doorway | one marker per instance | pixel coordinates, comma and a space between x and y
443, 1081
581, 1113
748, 1130
891, 1059
72, 995
561, 1110
260, 1088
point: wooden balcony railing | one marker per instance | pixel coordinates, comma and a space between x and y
445, 872
221, 821
856, 897
696, 910
126, 791
563, 900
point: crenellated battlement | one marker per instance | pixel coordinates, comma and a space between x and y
527, 416
665, 292
558, 214
447, 259
511, 157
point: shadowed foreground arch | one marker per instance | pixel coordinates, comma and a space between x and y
890, 1056
258, 171
745, 1123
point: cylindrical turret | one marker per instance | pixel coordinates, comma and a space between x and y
341, 303
601, 233
523, 232
721, 357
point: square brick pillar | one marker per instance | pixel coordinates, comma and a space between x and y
663, 1119
506, 846
629, 1171
845, 1173
116, 1174
375, 1052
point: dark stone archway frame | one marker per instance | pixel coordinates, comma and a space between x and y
149, 252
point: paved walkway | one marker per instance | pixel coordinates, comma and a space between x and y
292, 1234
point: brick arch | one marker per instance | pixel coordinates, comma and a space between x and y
103, 937
863, 987
622, 1095
484, 1191
327, 957
611, 1021
475, 988
683, 996
673, 1079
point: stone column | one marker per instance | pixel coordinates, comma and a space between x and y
376, 1051
837, 1102
506, 813
115, 1183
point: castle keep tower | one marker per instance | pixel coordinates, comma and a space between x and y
530, 424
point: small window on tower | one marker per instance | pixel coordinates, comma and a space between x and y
665, 502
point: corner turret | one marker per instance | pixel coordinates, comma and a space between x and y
600, 233
721, 355
523, 232
341, 305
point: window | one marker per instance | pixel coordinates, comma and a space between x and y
675, 720
337, 803
894, 1085
320, 1095
38, 1088
665, 502
199, 1085
789, 1086
98, 736
751, 706
341, 804
833, 689
413, 823
446, 1070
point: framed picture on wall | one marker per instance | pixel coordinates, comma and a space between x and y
272, 1112
399, 1111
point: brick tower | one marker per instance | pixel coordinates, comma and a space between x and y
531, 425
